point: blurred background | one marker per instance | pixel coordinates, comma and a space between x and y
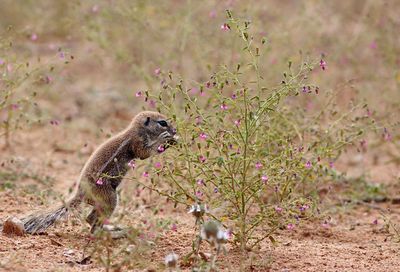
113, 48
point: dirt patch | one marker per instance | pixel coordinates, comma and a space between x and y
356, 238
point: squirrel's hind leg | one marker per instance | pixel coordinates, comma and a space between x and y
93, 220
104, 207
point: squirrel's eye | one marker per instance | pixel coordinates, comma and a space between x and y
163, 123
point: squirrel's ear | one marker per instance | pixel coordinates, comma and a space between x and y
147, 121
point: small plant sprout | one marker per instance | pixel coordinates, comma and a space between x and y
198, 211
171, 261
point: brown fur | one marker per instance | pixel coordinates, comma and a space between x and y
109, 163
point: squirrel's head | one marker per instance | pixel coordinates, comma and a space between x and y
155, 133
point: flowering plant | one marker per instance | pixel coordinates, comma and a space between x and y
20, 80
247, 147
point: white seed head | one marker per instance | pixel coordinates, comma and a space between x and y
198, 210
209, 230
222, 236
171, 260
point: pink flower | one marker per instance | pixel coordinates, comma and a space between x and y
145, 174
386, 135
152, 104
174, 227
224, 107
308, 165
225, 27
290, 226
303, 208
323, 64
54, 122
48, 79
233, 96
161, 149
61, 55
138, 94
237, 123
52, 46
95, 9
2, 61
203, 136
14, 106
212, 14
157, 71
100, 181
193, 90
34, 37
278, 209
216, 190
132, 164
202, 158
363, 143
373, 45
198, 120
158, 165
325, 225
199, 194
264, 179
258, 165
375, 222
331, 164
201, 182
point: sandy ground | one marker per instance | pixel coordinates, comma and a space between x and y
352, 241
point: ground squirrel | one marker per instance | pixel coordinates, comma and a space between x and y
148, 134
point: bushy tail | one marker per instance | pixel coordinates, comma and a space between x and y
39, 222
